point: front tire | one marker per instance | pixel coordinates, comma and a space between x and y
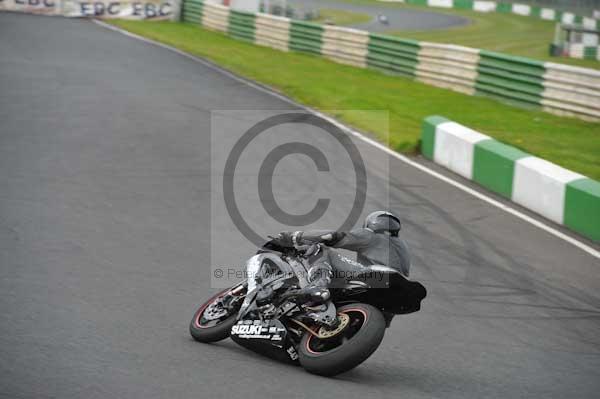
212, 332
356, 342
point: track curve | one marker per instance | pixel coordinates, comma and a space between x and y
398, 18
104, 183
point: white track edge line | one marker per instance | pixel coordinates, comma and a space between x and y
571, 240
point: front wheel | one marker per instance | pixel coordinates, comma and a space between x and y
213, 321
348, 348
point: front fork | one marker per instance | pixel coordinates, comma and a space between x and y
233, 296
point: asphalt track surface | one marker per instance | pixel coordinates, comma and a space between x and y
398, 18
105, 235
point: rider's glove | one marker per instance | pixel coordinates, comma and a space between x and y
290, 239
284, 239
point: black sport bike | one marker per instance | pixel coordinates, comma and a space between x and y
284, 318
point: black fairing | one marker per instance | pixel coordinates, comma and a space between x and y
393, 293
278, 350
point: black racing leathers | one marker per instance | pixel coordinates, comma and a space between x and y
371, 249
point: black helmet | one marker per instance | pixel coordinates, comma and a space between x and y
382, 221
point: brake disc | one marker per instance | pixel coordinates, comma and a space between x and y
324, 333
214, 311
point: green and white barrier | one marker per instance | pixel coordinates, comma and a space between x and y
545, 13
242, 25
345, 45
581, 51
449, 66
192, 11
393, 54
215, 17
555, 88
272, 31
558, 194
510, 77
571, 91
306, 37
588, 49
481, 6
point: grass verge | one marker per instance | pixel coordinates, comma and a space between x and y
326, 85
505, 33
341, 17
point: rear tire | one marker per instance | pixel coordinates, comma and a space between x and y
215, 333
350, 353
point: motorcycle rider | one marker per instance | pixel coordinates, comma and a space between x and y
376, 243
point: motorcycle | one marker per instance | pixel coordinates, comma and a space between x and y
281, 316
383, 19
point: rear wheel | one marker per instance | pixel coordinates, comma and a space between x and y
213, 321
346, 349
